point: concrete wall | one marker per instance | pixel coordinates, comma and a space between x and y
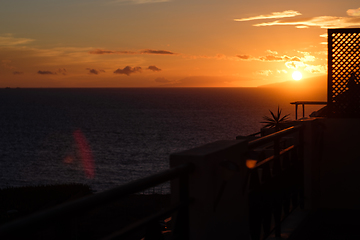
339, 170
331, 163
219, 164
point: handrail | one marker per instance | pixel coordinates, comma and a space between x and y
273, 136
39, 220
303, 103
271, 158
137, 225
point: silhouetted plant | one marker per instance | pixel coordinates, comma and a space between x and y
276, 121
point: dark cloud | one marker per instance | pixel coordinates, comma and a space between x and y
149, 51
62, 71
100, 51
18, 73
146, 51
45, 72
162, 80
128, 70
59, 71
244, 57
201, 81
94, 71
154, 68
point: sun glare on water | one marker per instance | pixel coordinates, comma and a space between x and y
296, 75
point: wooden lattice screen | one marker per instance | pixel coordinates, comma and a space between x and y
344, 72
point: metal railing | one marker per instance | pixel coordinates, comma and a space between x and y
303, 103
41, 220
275, 183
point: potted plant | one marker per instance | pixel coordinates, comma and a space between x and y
276, 121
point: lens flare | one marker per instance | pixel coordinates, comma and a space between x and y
250, 163
85, 153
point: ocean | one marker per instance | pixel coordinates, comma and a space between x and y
129, 132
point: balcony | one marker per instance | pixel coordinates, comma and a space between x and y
298, 183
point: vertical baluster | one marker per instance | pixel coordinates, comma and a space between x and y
267, 221
182, 224
254, 179
266, 173
277, 217
286, 204
301, 167
255, 212
276, 164
286, 160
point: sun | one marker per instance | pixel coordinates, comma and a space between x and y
296, 75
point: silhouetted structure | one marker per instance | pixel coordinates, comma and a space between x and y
343, 72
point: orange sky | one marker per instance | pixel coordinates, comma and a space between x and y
154, 43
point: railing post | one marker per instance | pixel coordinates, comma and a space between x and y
303, 108
301, 159
278, 205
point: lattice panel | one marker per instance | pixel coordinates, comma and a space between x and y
344, 72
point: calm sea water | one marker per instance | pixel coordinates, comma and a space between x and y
131, 132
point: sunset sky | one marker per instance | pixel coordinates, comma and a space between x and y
172, 43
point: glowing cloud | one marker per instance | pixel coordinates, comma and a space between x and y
9, 40
316, 68
265, 72
271, 58
353, 12
284, 14
274, 57
294, 64
322, 22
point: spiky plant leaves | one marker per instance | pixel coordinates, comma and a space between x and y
276, 120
